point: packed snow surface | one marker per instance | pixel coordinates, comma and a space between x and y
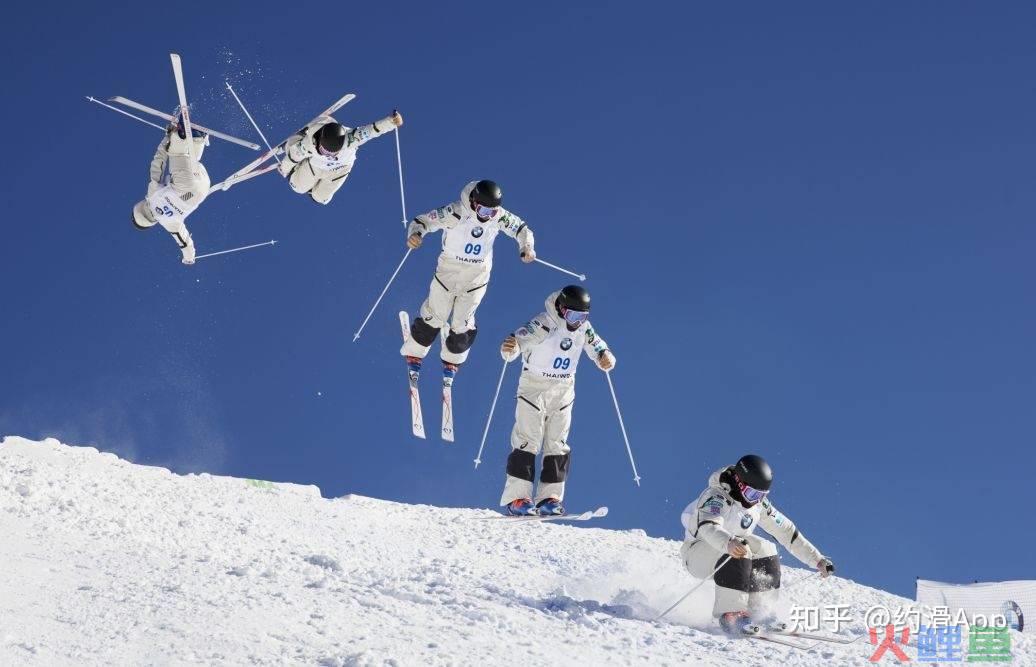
108, 562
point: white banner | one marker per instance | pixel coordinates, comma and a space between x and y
1015, 601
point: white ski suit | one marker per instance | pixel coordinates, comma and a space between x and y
462, 274
751, 583
546, 392
308, 170
179, 184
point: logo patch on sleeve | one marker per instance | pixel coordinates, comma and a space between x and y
713, 506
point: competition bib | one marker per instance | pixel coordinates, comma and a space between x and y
334, 163
167, 204
470, 241
558, 355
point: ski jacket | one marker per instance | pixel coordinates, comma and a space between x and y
716, 516
467, 240
550, 351
303, 146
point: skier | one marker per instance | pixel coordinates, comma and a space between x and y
720, 527
549, 345
320, 156
179, 184
470, 226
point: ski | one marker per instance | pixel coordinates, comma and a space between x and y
184, 111
447, 397
416, 419
819, 636
252, 174
167, 117
243, 172
779, 638
585, 516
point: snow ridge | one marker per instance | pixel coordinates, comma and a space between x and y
108, 562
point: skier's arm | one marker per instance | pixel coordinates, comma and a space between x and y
429, 222
597, 349
516, 228
782, 528
361, 135
158, 162
703, 521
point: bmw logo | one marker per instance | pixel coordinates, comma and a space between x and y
566, 344
477, 232
746, 520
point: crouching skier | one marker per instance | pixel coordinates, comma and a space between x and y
550, 346
720, 528
179, 184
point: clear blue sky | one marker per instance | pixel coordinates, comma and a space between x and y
808, 229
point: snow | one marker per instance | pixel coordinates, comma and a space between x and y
108, 562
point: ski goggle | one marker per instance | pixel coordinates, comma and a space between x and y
486, 211
326, 153
575, 317
749, 494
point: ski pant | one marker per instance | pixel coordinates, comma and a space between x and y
748, 584
320, 184
169, 205
456, 291
542, 419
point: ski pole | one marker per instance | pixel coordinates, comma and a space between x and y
356, 335
785, 589
125, 113
636, 477
581, 276
399, 162
252, 121
224, 252
492, 409
694, 588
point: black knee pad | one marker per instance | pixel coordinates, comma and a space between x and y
459, 343
736, 574
423, 333
766, 574
555, 468
521, 464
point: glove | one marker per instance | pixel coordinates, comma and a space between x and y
826, 567
528, 255
509, 349
397, 119
414, 241
738, 547
606, 360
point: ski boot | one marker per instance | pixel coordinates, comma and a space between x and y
521, 507
550, 506
736, 623
413, 365
449, 371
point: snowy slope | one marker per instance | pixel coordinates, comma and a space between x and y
104, 562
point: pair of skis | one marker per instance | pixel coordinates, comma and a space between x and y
416, 417
804, 640
539, 518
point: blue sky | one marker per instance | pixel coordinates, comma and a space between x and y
807, 227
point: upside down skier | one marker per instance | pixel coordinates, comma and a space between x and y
318, 158
469, 226
720, 526
179, 184
550, 345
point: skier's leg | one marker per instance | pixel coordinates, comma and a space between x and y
526, 437
435, 311
699, 558
764, 586
304, 177
556, 452
167, 205
462, 326
733, 581
326, 188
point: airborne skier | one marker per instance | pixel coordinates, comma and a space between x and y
318, 158
179, 184
720, 528
550, 345
469, 226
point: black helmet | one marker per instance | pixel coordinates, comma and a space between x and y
754, 472
331, 137
487, 193
574, 297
